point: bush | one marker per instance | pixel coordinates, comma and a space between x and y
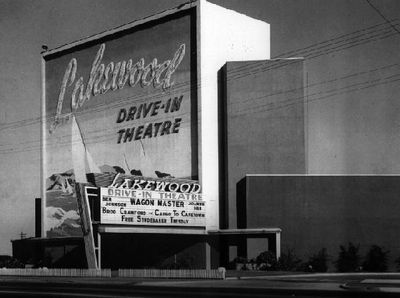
397, 262
266, 261
289, 261
318, 262
4, 259
376, 259
238, 263
11, 263
184, 261
241, 260
349, 259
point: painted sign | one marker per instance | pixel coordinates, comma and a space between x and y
125, 103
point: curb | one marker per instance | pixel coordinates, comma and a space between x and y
359, 287
311, 275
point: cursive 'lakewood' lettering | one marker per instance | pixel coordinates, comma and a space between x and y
114, 76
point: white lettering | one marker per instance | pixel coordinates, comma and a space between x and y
114, 76
114, 183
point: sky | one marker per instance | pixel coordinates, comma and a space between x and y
352, 58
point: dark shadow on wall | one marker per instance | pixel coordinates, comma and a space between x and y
66, 252
241, 204
153, 251
223, 149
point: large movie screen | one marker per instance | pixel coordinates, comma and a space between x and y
125, 103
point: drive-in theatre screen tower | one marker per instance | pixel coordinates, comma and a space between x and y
131, 137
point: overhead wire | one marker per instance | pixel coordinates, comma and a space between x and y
93, 138
186, 85
383, 16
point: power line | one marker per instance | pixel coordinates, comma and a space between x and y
109, 133
92, 138
368, 31
186, 86
300, 100
317, 54
382, 15
348, 76
362, 31
350, 41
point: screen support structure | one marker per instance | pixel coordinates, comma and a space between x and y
93, 259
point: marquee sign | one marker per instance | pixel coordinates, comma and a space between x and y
149, 202
151, 207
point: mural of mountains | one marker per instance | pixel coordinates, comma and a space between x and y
62, 217
62, 222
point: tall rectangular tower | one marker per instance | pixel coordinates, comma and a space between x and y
141, 99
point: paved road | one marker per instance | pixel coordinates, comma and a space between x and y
262, 286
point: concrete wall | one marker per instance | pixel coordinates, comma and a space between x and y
262, 124
224, 35
325, 211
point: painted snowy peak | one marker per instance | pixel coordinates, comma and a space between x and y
58, 217
61, 181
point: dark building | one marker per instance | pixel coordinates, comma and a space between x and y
66, 252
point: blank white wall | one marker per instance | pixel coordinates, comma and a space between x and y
224, 35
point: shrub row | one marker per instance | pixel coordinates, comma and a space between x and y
348, 260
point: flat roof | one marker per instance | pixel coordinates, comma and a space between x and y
188, 231
246, 231
323, 175
54, 239
152, 230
